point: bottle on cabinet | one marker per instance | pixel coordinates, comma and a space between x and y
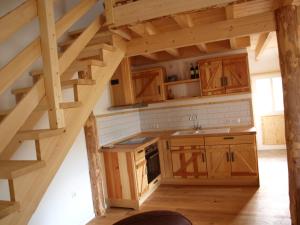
192, 71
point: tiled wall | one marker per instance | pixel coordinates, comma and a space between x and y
236, 113
232, 113
116, 127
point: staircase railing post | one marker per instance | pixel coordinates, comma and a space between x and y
50, 63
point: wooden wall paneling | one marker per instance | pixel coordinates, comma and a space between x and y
92, 145
273, 130
50, 63
288, 45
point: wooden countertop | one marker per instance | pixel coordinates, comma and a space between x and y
157, 135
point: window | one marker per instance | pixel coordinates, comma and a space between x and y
269, 95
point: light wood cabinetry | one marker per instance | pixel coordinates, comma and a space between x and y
148, 85
224, 75
121, 85
126, 178
211, 160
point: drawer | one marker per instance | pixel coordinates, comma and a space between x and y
176, 142
230, 140
139, 154
187, 148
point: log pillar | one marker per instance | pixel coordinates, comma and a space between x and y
289, 54
92, 145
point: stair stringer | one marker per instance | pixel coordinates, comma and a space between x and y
29, 189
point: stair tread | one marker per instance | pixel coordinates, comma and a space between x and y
10, 169
39, 134
99, 46
7, 208
78, 82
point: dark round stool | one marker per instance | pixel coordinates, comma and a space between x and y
155, 218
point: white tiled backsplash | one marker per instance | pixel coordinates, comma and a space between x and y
116, 127
233, 113
209, 115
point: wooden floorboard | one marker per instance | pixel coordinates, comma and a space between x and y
267, 205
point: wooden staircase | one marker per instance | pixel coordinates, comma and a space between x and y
86, 64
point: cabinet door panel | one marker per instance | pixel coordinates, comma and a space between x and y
189, 164
236, 74
148, 85
211, 73
141, 176
218, 161
243, 160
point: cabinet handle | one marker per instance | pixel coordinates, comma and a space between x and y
232, 156
228, 138
225, 81
155, 181
158, 89
168, 147
140, 151
227, 156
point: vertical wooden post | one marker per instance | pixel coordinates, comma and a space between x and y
109, 11
289, 53
92, 145
50, 63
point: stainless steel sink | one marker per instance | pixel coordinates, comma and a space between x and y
135, 141
201, 132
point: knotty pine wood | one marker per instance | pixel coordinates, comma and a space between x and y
289, 50
92, 146
266, 205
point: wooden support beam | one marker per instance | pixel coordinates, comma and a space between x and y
92, 146
152, 56
109, 11
122, 33
263, 40
229, 10
143, 10
50, 63
289, 50
202, 47
218, 31
146, 29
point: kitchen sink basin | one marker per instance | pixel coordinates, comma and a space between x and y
201, 132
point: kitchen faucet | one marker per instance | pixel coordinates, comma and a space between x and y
196, 124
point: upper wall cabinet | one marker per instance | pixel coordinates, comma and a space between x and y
225, 75
121, 85
148, 85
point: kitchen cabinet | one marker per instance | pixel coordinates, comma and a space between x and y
224, 75
148, 85
121, 85
127, 176
218, 164
212, 160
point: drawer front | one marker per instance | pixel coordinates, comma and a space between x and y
230, 140
178, 142
188, 148
139, 155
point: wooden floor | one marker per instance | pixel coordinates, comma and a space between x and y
267, 205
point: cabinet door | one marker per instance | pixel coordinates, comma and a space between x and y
141, 177
236, 74
189, 164
243, 160
149, 85
218, 161
211, 73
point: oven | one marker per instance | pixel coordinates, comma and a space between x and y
153, 166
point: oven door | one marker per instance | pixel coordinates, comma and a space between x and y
153, 166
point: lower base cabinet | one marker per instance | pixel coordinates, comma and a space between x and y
126, 179
220, 160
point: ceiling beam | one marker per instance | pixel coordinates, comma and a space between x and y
146, 29
143, 10
262, 43
230, 15
152, 56
239, 27
122, 33
186, 21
